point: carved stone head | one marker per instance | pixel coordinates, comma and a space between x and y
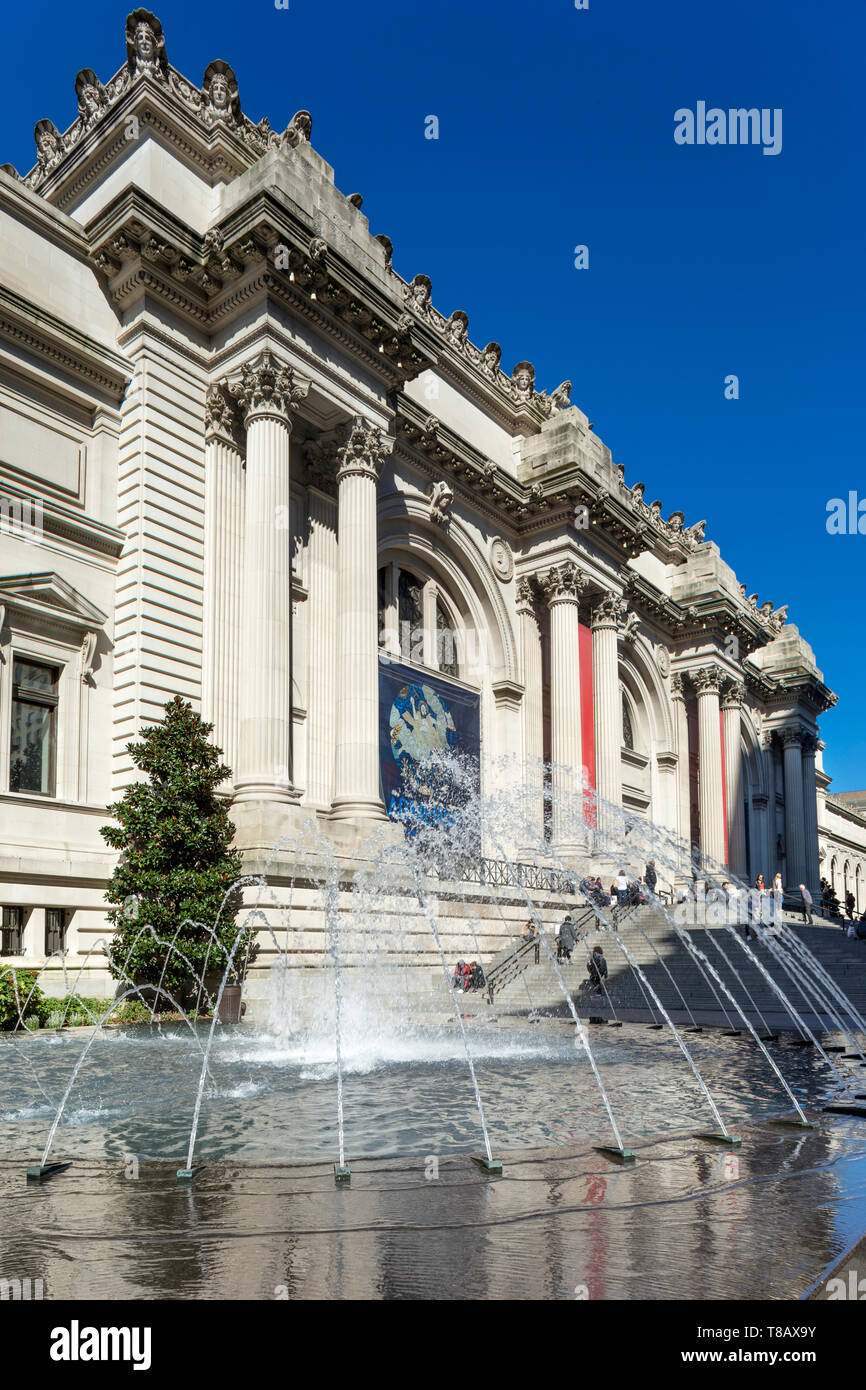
92, 99
458, 328
145, 45
419, 293
523, 380
49, 145
219, 95
490, 358
299, 130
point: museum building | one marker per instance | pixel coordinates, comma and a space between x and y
244, 461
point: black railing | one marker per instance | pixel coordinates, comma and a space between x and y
500, 873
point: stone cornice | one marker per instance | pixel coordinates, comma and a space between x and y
93, 365
261, 251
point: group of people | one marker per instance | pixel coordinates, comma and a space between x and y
624, 891
468, 976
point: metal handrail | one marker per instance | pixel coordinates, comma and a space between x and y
501, 873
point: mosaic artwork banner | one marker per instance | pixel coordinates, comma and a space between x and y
421, 715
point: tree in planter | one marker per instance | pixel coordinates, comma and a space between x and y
177, 864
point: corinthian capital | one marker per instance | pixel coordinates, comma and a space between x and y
810, 745
677, 692
733, 695
609, 611
364, 451
220, 416
563, 583
706, 679
526, 595
791, 734
268, 388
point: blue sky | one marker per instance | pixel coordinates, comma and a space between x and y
556, 129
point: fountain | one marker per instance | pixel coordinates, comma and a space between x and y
370, 1050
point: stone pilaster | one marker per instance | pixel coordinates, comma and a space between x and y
707, 681
223, 568
533, 709
795, 845
732, 704
810, 817
681, 727
607, 617
357, 793
562, 586
267, 393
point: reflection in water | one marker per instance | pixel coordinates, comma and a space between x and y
685, 1222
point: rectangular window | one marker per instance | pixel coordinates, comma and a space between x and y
12, 934
32, 751
55, 930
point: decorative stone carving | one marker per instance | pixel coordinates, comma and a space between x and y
663, 660
299, 131
527, 595
523, 381
809, 745
357, 200
267, 387
49, 145
490, 358
386, 243
560, 399
364, 451
563, 583
629, 630
219, 413
790, 735
92, 97
440, 498
88, 655
145, 46
501, 559
220, 102
677, 691
706, 678
418, 295
733, 695
457, 329
608, 611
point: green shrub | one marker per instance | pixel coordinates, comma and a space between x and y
21, 994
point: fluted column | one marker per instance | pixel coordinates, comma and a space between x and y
267, 395
795, 844
533, 707
562, 586
681, 726
732, 704
322, 647
607, 616
810, 817
223, 567
707, 681
357, 783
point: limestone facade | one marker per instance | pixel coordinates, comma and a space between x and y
241, 457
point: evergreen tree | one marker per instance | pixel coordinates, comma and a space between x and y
176, 863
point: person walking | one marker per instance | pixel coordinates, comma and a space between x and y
566, 940
850, 905
807, 904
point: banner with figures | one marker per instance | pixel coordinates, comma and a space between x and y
422, 717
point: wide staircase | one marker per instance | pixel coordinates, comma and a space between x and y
683, 986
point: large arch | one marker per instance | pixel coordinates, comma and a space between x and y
648, 787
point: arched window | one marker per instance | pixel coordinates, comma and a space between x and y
833, 870
627, 730
417, 623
